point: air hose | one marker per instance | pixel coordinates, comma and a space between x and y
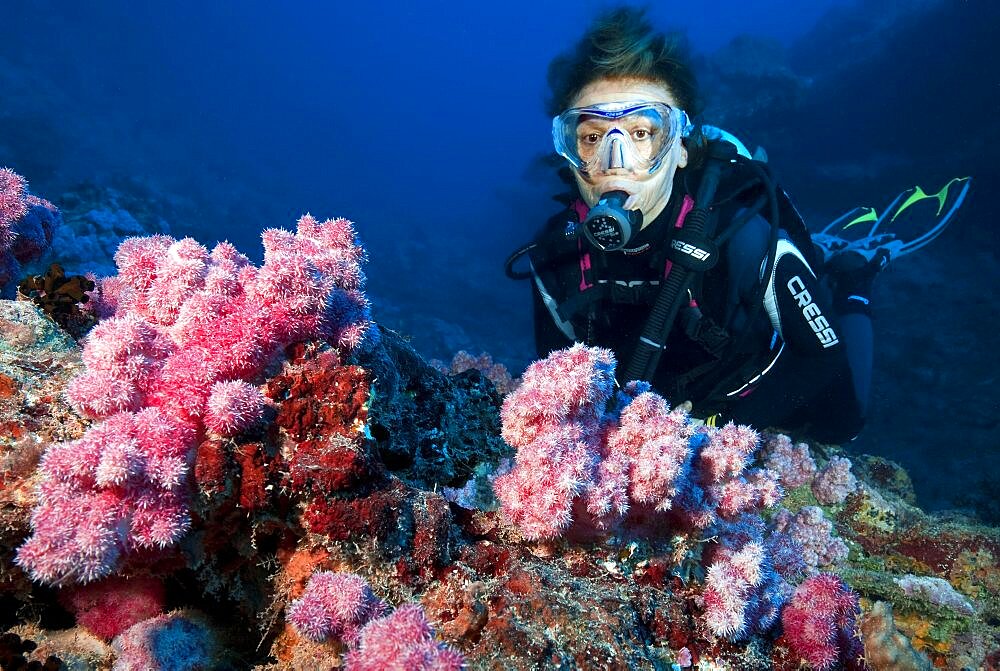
692, 251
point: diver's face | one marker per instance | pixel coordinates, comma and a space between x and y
648, 193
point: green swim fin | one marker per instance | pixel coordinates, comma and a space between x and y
911, 220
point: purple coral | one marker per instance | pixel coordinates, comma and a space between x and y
814, 534
792, 463
834, 482
185, 333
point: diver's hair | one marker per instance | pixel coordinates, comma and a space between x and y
621, 43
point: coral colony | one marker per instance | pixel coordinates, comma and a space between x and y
238, 469
184, 331
27, 224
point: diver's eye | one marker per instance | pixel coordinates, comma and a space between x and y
641, 134
591, 138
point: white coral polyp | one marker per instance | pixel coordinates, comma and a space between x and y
233, 406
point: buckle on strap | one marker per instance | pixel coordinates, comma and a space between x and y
710, 336
570, 307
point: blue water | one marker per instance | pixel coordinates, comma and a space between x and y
424, 123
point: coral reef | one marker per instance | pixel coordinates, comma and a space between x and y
495, 372
246, 479
431, 429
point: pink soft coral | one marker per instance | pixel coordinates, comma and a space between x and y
402, 640
13, 205
342, 605
185, 333
335, 604
729, 584
117, 488
638, 455
233, 406
553, 417
569, 386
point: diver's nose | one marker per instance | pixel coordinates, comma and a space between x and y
615, 158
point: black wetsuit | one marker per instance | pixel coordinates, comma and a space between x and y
773, 357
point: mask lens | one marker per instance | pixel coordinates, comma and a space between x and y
645, 130
633, 136
590, 132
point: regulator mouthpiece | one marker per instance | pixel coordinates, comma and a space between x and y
608, 225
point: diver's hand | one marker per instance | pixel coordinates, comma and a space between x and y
851, 274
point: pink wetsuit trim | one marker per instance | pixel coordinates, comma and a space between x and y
686, 206
584, 267
581, 212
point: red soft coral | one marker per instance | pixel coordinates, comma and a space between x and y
819, 622
109, 607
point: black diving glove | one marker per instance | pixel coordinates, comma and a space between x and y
851, 276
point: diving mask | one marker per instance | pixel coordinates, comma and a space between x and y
632, 136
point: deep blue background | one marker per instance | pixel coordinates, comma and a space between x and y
419, 121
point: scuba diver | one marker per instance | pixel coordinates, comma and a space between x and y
681, 254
